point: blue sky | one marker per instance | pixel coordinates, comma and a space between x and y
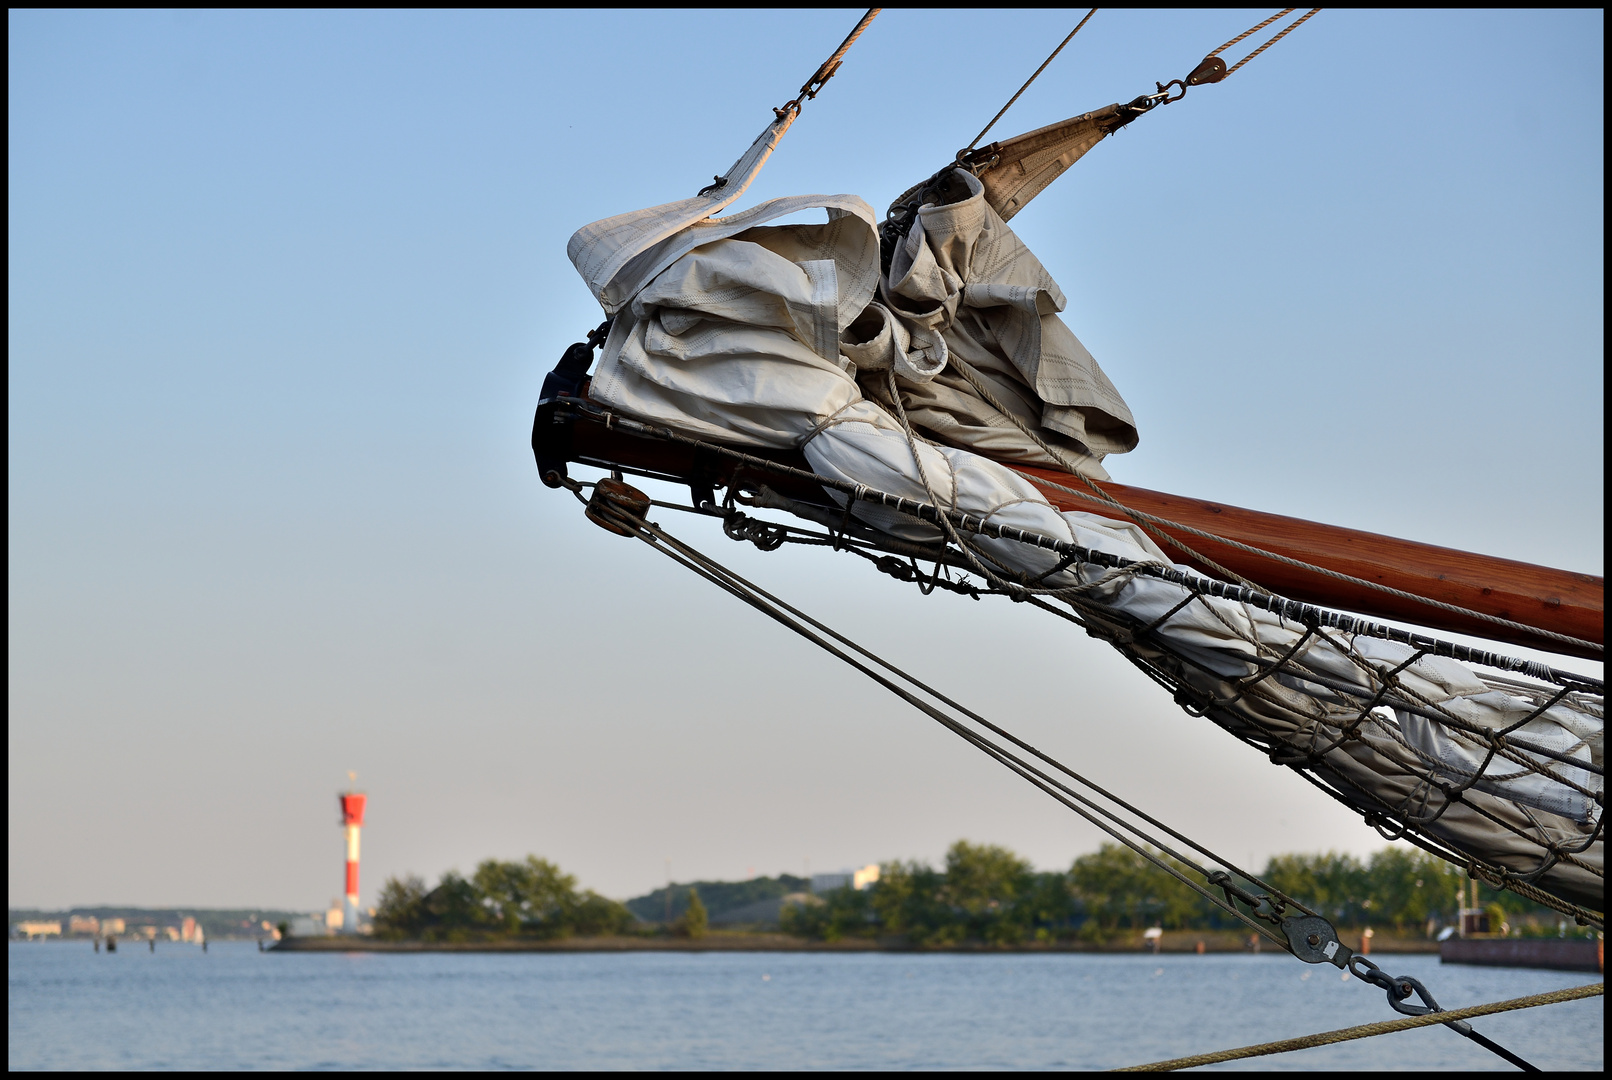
283, 288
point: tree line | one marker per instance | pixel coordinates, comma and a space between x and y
984, 893
532, 898
988, 894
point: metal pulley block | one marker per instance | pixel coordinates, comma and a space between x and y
617, 507
1314, 941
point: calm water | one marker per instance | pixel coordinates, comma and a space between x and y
234, 1008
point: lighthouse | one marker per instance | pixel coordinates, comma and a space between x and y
352, 819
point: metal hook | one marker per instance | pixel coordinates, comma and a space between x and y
1164, 91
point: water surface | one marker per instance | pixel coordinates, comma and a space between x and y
234, 1008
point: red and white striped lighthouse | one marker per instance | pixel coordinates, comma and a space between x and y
352, 819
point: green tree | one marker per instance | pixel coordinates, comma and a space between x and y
533, 896
1118, 887
453, 909
530, 897
907, 900
1407, 887
843, 912
984, 885
807, 917
1335, 885
1049, 909
693, 921
592, 915
400, 911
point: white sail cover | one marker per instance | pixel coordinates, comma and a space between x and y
732, 330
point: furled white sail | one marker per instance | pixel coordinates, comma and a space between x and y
787, 336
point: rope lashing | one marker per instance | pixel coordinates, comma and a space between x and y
1026, 85
1365, 1031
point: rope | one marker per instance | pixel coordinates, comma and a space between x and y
1028, 81
1284, 32
827, 68
1253, 30
1364, 1031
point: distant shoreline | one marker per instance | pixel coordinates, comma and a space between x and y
1175, 942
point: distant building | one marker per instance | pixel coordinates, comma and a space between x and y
83, 924
309, 925
32, 930
187, 930
334, 917
112, 926
856, 879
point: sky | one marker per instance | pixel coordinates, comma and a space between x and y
283, 287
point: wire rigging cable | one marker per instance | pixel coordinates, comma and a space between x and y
623, 516
1027, 83
620, 509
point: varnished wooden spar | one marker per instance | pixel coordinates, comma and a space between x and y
1556, 600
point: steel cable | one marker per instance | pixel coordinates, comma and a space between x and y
1028, 81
